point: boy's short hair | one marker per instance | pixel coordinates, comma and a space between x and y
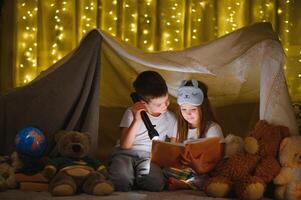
149, 85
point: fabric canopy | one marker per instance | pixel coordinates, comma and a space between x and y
243, 71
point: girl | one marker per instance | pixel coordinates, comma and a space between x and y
195, 120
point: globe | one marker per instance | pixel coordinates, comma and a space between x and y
30, 141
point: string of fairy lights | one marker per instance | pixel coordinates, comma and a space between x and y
27, 44
48, 30
88, 13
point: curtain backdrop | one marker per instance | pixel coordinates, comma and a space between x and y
39, 32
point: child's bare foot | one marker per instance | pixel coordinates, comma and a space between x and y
175, 184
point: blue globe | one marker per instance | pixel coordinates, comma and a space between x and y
30, 141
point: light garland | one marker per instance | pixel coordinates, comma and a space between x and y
288, 36
172, 25
109, 17
147, 25
129, 22
88, 15
26, 56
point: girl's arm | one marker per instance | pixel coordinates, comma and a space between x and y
128, 134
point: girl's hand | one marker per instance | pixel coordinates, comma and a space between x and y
137, 108
194, 162
185, 159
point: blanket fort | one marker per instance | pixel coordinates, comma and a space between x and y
243, 67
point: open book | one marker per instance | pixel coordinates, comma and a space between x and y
168, 154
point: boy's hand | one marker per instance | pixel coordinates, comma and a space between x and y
137, 108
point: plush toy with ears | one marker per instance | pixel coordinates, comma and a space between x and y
288, 181
247, 175
73, 171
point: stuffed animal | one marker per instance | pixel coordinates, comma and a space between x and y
73, 171
247, 175
8, 166
288, 181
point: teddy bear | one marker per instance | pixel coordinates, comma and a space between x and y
73, 170
8, 166
247, 175
288, 181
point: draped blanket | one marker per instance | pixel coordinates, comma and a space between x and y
241, 68
66, 96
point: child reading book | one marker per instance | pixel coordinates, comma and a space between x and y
130, 165
195, 120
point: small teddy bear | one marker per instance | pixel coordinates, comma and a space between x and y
288, 181
248, 174
73, 171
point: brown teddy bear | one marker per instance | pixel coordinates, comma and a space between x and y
248, 174
73, 170
288, 181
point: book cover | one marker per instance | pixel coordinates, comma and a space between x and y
167, 154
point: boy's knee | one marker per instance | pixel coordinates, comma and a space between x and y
154, 181
153, 184
122, 183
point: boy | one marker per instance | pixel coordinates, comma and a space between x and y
130, 162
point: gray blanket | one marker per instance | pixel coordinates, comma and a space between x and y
66, 96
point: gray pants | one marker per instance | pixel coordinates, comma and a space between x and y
133, 170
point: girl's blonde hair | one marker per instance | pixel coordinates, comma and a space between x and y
206, 115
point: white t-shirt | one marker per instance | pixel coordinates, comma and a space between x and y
164, 124
214, 130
